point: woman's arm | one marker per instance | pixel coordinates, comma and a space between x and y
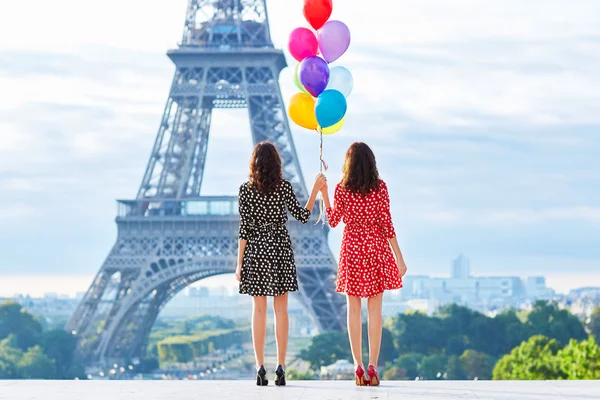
334, 214
241, 249
320, 181
244, 231
302, 214
385, 221
399, 259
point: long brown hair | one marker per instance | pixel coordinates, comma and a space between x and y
265, 168
360, 169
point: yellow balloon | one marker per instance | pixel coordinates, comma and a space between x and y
330, 130
302, 110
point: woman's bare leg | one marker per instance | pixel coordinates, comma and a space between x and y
259, 328
355, 328
282, 326
375, 322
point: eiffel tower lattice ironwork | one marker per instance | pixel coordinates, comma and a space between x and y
170, 236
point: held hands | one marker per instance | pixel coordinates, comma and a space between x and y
320, 182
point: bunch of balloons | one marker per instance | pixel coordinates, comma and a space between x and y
321, 103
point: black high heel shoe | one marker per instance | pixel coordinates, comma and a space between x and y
280, 378
261, 377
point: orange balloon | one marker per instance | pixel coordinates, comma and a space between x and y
302, 111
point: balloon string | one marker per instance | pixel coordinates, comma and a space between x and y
322, 166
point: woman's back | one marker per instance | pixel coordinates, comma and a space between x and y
259, 211
358, 211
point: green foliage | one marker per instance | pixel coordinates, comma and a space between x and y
580, 360
394, 373
148, 365
417, 333
433, 365
476, 364
36, 365
9, 357
532, 360
294, 375
594, 324
14, 320
60, 346
167, 328
410, 363
454, 369
455, 329
327, 348
186, 348
27, 352
459, 343
548, 320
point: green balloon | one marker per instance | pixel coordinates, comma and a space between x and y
297, 79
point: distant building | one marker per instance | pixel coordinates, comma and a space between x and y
461, 268
481, 293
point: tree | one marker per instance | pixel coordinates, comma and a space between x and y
410, 363
532, 360
454, 371
327, 348
512, 332
14, 320
417, 333
9, 357
60, 346
433, 365
394, 373
580, 360
476, 364
293, 374
548, 320
36, 365
594, 324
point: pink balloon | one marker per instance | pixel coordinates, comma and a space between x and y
303, 43
334, 40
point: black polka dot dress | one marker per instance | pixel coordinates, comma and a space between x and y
268, 267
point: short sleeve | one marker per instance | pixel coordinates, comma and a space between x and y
334, 214
244, 232
385, 216
291, 201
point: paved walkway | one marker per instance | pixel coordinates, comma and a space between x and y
298, 390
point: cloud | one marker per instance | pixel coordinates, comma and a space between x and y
12, 213
483, 118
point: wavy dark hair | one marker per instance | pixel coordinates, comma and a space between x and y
360, 170
265, 168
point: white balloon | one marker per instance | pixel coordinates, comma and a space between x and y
340, 79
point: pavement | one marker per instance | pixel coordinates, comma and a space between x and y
298, 390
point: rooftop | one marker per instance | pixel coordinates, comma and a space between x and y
296, 390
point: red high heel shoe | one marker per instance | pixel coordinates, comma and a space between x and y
361, 379
373, 376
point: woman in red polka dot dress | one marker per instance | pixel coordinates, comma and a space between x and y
367, 264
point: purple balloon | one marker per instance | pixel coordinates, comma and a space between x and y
334, 40
314, 75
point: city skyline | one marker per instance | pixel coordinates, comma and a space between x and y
79, 284
484, 130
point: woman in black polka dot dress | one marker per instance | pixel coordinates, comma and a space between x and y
265, 257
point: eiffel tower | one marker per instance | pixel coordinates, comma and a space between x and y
170, 236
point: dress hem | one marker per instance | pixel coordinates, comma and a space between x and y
270, 294
366, 296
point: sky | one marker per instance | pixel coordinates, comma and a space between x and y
483, 117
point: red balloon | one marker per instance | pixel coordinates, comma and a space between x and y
317, 12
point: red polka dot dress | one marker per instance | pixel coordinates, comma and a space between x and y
367, 266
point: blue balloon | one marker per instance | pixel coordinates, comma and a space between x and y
330, 107
340, 79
